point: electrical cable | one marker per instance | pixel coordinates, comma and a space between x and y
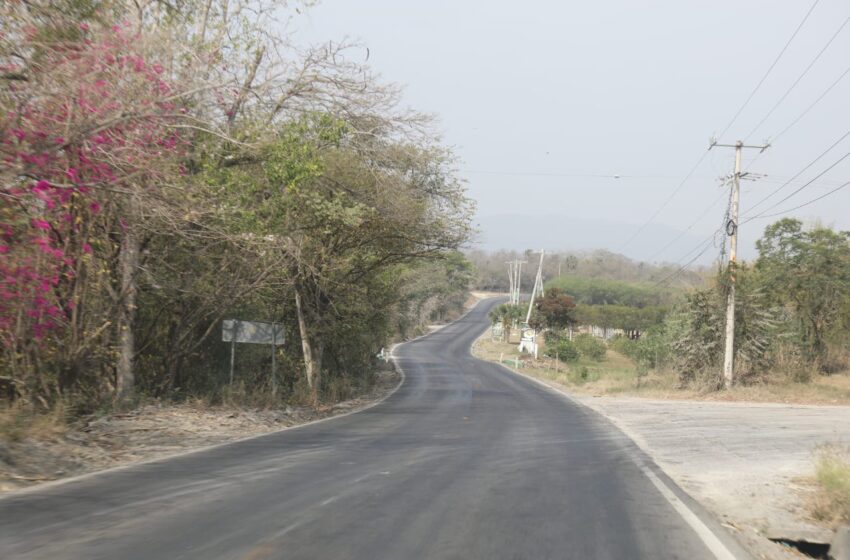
579, 175
815, 102
728, 126
788, 182
666, 202
801, 115
799, 78
686, 230
707, 243
812, 201
770, 69
818, 176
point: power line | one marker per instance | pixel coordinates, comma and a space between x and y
666, 202
815, 102
812, 201
686, 230
770, 69
799, 78
578, 175
734, 118
788, 182
803, 114
706, 245
818, 176
780, 180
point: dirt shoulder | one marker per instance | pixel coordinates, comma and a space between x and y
152, 431
751, 464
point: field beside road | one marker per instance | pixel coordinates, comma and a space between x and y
617, 375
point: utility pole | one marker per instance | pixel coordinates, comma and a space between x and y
511, 280
732, 232
519, 264
537, 282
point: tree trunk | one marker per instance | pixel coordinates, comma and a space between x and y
318, 355
128, 263
306, 348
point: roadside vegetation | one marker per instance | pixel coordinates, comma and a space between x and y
166, 166
618, 375
832, 475
792, 335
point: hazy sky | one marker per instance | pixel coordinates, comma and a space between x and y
533, 94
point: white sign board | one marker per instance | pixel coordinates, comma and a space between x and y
252, 332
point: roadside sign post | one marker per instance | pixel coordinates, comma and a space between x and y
252, 332
233, 350
274, 351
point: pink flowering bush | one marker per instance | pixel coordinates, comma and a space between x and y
89, 124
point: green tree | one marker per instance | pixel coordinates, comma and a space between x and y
554, 311
507, 315
696, 330
809, 273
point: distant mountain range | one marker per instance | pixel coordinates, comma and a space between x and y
568, 233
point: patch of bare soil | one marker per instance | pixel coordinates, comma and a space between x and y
154, 431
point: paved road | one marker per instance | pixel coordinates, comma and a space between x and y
466, 460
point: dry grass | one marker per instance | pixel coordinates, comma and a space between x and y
617, 375
18, 422
832, 474
42, 447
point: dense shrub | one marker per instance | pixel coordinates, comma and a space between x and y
590, 347
651, 350
563, 350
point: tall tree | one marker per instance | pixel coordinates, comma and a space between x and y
809, 272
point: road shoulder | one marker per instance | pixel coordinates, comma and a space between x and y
159, 432
747, 463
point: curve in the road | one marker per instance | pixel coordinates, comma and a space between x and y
465, 460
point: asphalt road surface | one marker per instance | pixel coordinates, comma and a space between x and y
465, 460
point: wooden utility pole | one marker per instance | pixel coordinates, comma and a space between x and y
732, 232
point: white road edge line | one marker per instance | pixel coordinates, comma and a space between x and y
705, 534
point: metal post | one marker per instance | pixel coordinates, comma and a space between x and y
511, 280
519, 280
233, 349
732, 230
274, 364
537, 281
